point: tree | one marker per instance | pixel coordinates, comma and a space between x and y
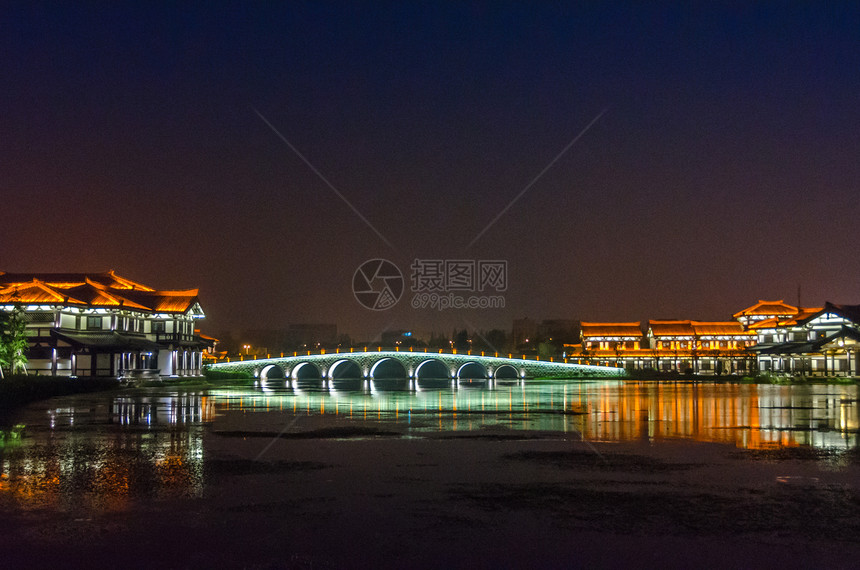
13, 341
438, 341
494, 340
4, 360
461, 339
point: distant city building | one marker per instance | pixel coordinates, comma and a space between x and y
558, 331
101, 324
311, 336
528, 334
524, 332
397, 338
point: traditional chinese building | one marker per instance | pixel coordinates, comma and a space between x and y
770, 336
668, 346
700, 347
614, 344
765, 311
822, 341
101, 324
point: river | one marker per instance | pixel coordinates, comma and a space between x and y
89, 457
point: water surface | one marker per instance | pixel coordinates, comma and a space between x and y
105, 449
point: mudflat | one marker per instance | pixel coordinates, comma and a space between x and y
488, 498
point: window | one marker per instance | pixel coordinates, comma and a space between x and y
94, 323
158, 327
39, 317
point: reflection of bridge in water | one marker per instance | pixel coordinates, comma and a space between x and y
411, 366
745, 415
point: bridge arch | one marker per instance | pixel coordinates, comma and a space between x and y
306, 371
506, 372
432, 368
388, 368
317, 367
272, 371
472, 370
344, 368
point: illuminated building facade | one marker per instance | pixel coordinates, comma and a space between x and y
101, 324
770, 336
524, 333
700, 347
618, 344
822, 341
667, 346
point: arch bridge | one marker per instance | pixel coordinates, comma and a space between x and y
411, 365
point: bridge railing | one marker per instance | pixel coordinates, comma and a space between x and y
423, 350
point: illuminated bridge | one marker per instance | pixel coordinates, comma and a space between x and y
411, 365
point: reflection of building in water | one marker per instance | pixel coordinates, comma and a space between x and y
745, 415
184, 409
155, 450
749, 416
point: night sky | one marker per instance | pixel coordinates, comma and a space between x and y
723, 169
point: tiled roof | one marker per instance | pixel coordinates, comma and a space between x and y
803, 314
611, 329
697, 328
66, 280
107, 340
671, 328
764, 324
107, 290
850, 312
33, 292
719, 328
767, 308
164, 301
809, 347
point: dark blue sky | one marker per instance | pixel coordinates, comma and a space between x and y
724, 170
